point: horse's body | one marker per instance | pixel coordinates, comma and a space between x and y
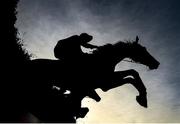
82, 78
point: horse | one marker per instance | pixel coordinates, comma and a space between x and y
116, 53
102, 63
96, 70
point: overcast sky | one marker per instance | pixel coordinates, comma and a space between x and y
42, 23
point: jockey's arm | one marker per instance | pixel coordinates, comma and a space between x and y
86, 45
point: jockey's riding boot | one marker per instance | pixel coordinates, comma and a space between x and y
142, 100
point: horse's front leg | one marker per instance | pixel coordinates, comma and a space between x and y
121, 77
139, 85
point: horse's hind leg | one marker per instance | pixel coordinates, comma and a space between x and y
120, 78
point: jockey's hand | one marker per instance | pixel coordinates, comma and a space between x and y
87, 45
96, 47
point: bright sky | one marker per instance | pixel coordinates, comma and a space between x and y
42, 23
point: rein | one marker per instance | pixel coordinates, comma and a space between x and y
131, 61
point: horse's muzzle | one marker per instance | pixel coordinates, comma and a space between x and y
154, 66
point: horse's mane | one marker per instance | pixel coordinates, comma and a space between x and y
122, 43
109, 47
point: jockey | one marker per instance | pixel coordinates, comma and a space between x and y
70, 48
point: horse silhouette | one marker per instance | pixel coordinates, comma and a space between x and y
93, 71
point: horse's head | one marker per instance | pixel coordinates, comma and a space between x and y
141, 55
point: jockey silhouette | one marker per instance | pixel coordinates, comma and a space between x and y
70, 48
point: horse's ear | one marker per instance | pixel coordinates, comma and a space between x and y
137, 39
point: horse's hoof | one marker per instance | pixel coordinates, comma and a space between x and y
142, 100
82, 113
105, 89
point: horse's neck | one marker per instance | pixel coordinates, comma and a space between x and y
125, 52
114, 55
